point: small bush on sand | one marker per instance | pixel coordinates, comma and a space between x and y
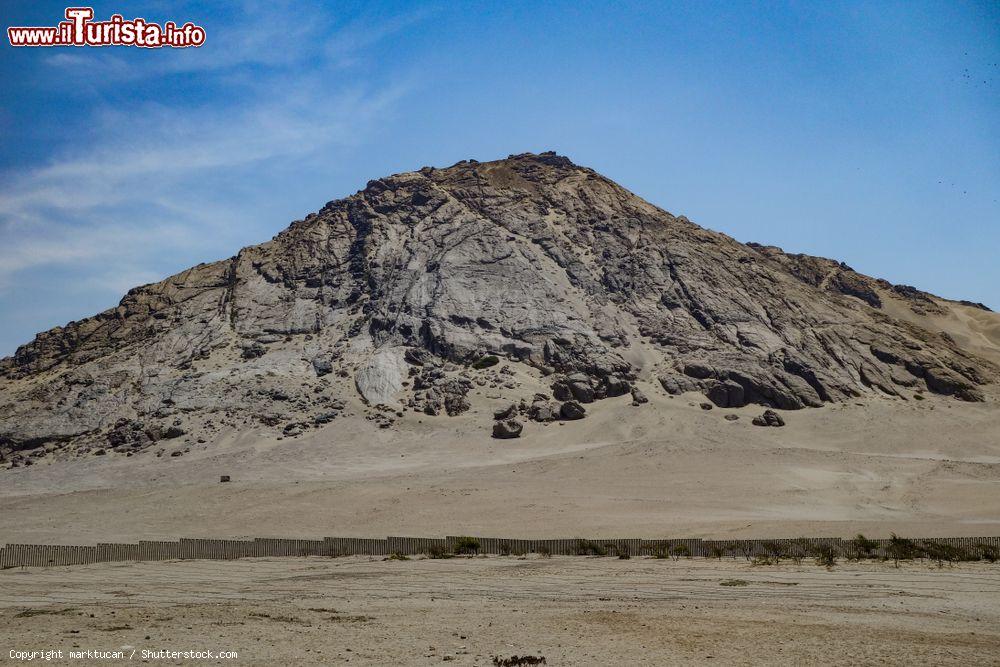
438, 551
826, 555
989, 553
545, 552
774, 551
623, 552
901, 548
679, 551
588, 548
716, 551
862, 547
467, 546
504, 548
397, 556
799, 549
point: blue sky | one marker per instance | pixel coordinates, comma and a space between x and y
866, 132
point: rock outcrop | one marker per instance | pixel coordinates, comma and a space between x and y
426, 283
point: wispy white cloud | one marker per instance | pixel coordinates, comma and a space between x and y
154, 179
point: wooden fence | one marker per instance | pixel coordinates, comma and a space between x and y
43, 555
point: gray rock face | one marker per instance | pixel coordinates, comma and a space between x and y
531, 259
381, 377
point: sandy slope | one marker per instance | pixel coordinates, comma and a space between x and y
572, 611
924, 468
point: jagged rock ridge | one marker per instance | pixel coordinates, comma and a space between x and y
532, 258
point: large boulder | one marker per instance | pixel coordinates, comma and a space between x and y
582, 388
507, 428
571, 410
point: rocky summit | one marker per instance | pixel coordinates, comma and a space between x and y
425, 285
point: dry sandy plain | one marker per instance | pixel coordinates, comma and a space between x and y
465, 611
922, 468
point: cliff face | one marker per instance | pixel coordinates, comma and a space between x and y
532, 259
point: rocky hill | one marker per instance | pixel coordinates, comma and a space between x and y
426, 284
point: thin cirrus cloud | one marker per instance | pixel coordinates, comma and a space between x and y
156, 184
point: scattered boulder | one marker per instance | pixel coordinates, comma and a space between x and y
322, 366
507, 428
616, 386
416, 356
638, 398
505, 413
678, 384
731, 418
769, 418
705, 406
544, 411
253, 351
223, 479
561, 391
572, 410
581, 387
173, 432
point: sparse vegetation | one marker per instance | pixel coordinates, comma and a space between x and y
518, 661
734, 582
863, 547
679, 551
826, 555
439, 551
397, 556
774, 551
901, 548
716, 551
800, 548
467, 546
545, 552
588, 548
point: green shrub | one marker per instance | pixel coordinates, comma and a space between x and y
467, 546
901, 548
774, 550
397, 556
588, 548
716, 551
438, 551
826, 555
863, 547
680, 550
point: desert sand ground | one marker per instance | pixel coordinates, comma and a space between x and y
464, 611
925, 468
